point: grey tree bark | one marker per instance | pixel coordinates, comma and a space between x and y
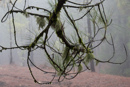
11, 56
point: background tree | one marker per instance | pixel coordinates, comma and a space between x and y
11, 56
3, 4
120, 31
90, 34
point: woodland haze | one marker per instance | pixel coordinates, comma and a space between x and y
65, 40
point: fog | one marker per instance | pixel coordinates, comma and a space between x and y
27, 29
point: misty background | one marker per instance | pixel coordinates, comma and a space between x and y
27, 29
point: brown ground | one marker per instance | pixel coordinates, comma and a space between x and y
16, 76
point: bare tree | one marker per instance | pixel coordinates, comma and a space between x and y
3, 3
90, 34
72, 54
11, 56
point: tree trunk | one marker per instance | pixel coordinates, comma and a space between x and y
90, 34
11, 57
30, 27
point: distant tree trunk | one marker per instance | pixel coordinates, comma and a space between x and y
90, 34
22, 51
31, 54
124, 39
11, 57
30, 27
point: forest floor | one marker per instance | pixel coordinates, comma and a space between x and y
17, 76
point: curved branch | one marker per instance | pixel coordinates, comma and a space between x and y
78, 3
70, 6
